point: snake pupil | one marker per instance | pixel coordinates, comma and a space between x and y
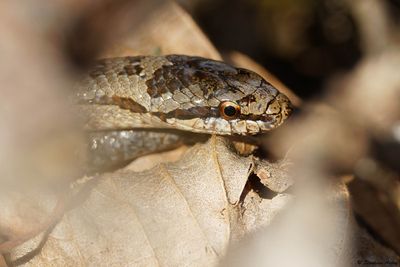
230, 111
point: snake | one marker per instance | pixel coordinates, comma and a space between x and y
135, 105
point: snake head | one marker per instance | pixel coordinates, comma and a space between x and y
180, 92
261, 107
228, 100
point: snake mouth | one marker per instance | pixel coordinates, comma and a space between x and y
278, 110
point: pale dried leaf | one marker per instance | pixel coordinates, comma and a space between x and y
176, 214
312, 231
167, 30
275, 175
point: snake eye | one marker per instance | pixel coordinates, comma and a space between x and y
229, 110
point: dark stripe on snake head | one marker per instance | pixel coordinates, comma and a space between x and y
183, 114
128, 103
187, 114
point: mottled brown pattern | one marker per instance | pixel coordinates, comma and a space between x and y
158, 85
167, 79
183, 74
131, 70
173, 91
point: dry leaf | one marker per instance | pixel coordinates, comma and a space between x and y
310, 231
177, 214
166, 30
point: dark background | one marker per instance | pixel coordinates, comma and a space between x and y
305, 43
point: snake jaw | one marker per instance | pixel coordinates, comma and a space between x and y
276, 111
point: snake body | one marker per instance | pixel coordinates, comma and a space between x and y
133, 105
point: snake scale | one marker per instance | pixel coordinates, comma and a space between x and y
137, 105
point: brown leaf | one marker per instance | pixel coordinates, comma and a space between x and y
166, 30
179, 213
